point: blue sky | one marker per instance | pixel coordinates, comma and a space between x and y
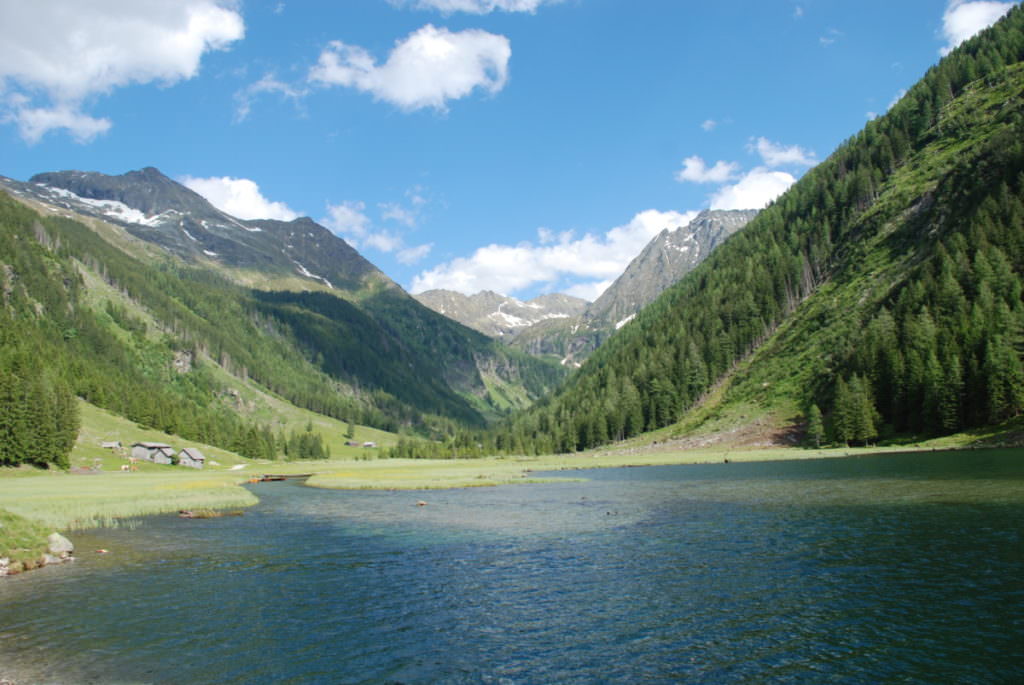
523, 146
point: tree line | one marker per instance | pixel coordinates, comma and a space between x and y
932, 189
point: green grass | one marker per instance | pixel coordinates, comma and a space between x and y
429, 474
43, 501
99, 425
21, 540
74, 502
265, 408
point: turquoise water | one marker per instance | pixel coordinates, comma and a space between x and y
899, 568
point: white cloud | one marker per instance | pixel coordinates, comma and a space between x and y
709, 124
589, 291
798, 12
239, 197
695, 170
268, 84
411, 255
476, 6
758, 187
427, 69
963, 19
384, 241
830, 37
348, 220
391, 211
776, 154
34, 122
64, 53
510, 268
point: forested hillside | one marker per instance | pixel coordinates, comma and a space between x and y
882, 291
80, 316
377, 339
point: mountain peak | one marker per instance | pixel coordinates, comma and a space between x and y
146, 190
158, 209
669, 256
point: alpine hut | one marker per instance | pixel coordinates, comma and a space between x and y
191, 456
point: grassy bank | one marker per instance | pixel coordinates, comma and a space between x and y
72, 502
34, 503
21, 540
39, 502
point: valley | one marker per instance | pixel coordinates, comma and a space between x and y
594, 370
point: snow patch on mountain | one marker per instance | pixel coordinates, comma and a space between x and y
309, 274
625, 321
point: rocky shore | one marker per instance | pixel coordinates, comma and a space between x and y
59, 550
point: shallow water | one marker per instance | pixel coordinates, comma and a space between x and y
904, 568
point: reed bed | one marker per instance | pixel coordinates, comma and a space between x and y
69, 502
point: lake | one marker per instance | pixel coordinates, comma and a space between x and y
906, 568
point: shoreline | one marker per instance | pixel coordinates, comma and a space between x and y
65, 503
421, 474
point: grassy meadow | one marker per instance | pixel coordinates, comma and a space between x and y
258, 405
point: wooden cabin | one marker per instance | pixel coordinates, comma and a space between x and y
191, 456
156, 452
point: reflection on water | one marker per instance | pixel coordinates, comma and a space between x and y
906, 567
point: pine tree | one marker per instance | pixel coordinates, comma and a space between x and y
844, 413
815, 426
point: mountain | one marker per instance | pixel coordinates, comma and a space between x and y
668, 257
879, 297
135, 293
500, 316
156, 209
570, 329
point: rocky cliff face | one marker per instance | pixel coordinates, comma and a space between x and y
672, 254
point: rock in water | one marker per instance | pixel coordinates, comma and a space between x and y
60, 546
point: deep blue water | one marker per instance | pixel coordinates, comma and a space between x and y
902, 568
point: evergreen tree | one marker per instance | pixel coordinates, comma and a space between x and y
815, 426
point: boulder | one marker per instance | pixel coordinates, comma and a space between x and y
60, 546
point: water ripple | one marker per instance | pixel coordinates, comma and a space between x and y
811, 573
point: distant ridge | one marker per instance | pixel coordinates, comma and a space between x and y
500, 316
570, 329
